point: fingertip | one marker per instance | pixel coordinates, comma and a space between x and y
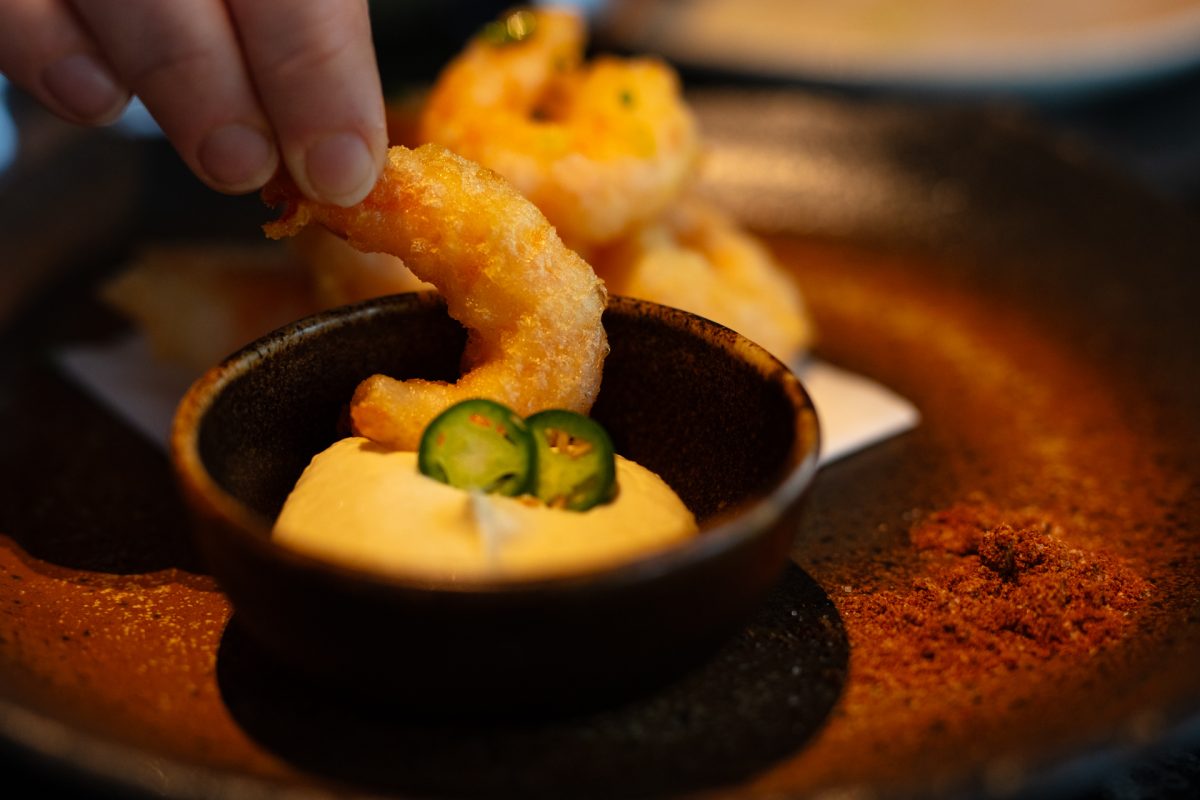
314, 68
85, 89
339, 168
237, 158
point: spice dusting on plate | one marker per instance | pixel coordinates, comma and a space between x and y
1002, 592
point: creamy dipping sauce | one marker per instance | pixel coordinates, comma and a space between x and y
366, 506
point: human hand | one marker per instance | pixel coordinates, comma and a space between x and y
234, 84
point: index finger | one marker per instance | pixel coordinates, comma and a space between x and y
313, 64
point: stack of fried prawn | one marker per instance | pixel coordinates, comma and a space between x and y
607, 150
698, 259
526, 143
599, 147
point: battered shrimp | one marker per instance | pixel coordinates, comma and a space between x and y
697, 259
531, 306
599, 148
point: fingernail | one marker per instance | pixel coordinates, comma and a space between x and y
340, 169
85, 88
237, 156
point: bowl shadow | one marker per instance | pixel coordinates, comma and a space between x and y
760, 697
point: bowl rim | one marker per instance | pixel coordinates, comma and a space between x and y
727, 532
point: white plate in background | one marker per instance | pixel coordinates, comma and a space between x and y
991, 45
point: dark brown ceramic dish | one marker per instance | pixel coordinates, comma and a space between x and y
725, 424
1038, 308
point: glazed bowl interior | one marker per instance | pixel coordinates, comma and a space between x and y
728, 427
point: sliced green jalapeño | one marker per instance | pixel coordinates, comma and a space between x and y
479, 444
576, 468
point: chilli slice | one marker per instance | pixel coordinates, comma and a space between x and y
576, 468
479, 444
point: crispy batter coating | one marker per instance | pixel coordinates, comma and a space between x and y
600, 148
532, 307
698, 259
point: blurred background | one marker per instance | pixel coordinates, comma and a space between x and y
1120, 76
1117, 79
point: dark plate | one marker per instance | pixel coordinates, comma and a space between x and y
1036, 306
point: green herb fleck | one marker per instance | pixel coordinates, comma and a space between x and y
513, 27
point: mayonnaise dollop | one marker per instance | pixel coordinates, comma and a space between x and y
366, 506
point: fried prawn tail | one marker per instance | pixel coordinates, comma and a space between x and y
295, 211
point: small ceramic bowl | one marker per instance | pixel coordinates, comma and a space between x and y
724, 423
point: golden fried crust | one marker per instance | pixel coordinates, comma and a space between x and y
599, 147
698, 259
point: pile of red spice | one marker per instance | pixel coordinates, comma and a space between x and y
999, 592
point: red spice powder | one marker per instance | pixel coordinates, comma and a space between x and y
1001, 592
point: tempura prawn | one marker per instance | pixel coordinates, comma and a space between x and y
698, 259
531, 306
600, 148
